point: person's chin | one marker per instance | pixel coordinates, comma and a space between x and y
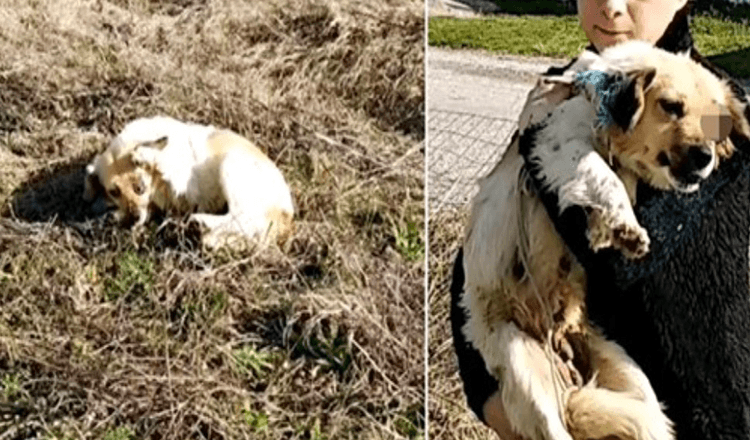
607, 39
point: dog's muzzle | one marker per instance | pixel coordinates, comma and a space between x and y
691, 167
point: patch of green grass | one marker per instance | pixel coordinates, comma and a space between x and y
533, 36
411, 423
57, 435
316, 434
312, 432
217, 304
725, 43
119, 433
714, 36
334, 350
134, 276
206, 309
563, 37
250, 362
256, 420
11, 386
409, 241
405, 427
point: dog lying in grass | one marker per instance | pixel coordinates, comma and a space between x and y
224, 181
633, 113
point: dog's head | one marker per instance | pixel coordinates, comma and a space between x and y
672, 120
125, 183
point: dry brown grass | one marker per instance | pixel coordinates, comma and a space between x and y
106, 335
449, 415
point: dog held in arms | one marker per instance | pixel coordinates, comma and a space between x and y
220, 178
632, 113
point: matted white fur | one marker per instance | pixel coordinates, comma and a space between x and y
183, 168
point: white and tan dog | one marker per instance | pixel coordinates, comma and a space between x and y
221, 178
525, 292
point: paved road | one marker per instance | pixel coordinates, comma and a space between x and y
473, 102
461, 8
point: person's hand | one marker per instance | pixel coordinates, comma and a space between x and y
494, 415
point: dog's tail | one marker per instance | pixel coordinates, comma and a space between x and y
602, 413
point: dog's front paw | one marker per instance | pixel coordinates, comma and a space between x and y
632, 240
607, 230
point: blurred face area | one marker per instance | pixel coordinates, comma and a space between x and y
609, 22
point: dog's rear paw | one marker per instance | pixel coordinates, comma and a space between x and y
232, 241
606, 230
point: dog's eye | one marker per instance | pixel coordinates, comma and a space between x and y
675, 108
139, 188
114, 192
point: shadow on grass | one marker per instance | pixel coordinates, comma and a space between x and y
55, 193
726, 10
735, 63
536, 7
530, 7
324, 341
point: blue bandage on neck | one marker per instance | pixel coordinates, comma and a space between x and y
607, 88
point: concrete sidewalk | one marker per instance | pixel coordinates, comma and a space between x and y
473, 102
461, 8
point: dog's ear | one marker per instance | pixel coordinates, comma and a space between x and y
158, 144
630, 101
91, 184
146, 153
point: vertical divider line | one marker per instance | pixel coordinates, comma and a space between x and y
426, 305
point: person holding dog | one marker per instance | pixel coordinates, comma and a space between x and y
664, 23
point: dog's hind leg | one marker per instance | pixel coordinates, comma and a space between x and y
258, 198
226, 229
619, 402
531, 394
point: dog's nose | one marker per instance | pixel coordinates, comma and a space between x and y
698, 157
693, 166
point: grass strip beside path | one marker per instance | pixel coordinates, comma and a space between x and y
726, 42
